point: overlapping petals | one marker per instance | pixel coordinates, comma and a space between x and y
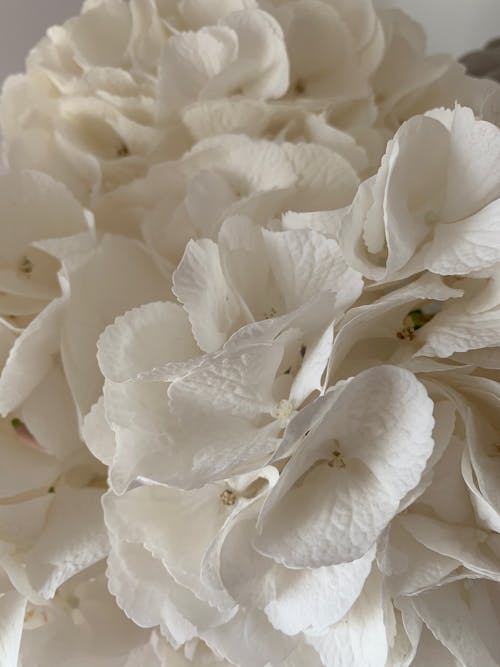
249, 342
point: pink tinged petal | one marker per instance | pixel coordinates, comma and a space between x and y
49, 414
30, 357
24, 434
25, 467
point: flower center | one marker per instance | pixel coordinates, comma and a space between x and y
414, 321
337, 460
25, 266
282, 412
228, 497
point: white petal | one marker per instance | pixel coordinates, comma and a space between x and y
464, 544
145, 338
209, 301
335, 512
24, 468
73, 539
149, 595
431, 652
293, 600
30, 357
237, 383
411, 566
446, 614
457, 329
97, 433
251, 165
305, 263
325, 180
471, 244
50, 416
359, 640
118, 276
34, 207
262, 68
374, 320
248, 640
189, 60
157, 517
12, 608
474, 173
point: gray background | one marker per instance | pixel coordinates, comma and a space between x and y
452, 25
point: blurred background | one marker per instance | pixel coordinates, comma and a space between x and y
453, 26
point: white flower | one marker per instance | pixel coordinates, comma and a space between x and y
223, 176
447, 611
254, 274
349, 474
297, 462
408, 82
432, 205
244, 54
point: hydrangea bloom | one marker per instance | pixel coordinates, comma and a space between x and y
249, 342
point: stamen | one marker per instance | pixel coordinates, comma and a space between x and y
282, 412
414, 321
337, 460
270, 313
300, 87
228, 497
26, 266
123, 151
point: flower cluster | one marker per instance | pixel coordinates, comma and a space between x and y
249, 342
